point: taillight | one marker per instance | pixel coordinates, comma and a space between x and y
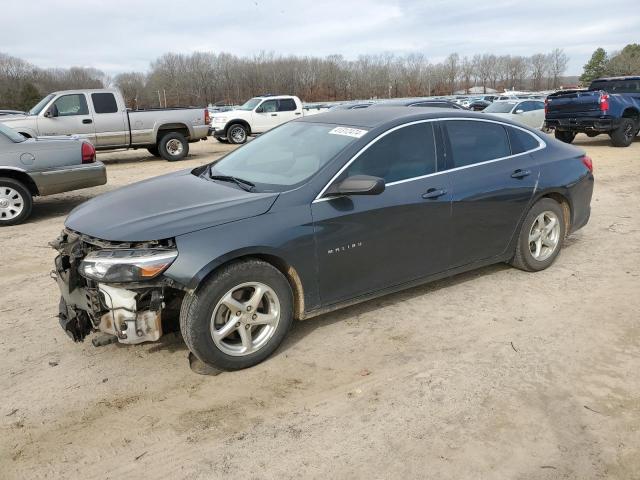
88, 153
604, 102
207, 118
587, 162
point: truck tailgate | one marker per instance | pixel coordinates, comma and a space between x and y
573, 102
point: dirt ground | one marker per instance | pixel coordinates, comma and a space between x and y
494, 374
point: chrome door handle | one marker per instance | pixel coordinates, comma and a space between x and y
434, 193
520, 173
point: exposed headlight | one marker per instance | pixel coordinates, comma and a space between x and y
220, 119
126, 265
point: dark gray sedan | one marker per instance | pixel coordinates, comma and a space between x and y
42, 166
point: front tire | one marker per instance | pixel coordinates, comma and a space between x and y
565, 136
237, 134
15, 202
154, 151
541, 236
625, 133
173, 147
239, 316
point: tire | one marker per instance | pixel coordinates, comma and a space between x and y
205, 308
237, 134
624, 135
15, 202
222, 140
592, 134
154, 151
173, 147
565, 136
524, 259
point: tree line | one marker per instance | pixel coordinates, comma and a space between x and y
601, 64
201, 78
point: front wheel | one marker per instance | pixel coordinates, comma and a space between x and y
625, 133
173, 147
239, 316
541, 236
565, 136
237, 134
15, 202
154, 151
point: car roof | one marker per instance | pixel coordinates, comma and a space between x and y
610, 79
410, 101
376, 117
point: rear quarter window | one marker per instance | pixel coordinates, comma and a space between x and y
521, 141
474, 142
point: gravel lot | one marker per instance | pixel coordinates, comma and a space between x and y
494, 374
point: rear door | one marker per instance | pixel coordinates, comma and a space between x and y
366, 243
492, 186
69, 115
110, 126
287, 110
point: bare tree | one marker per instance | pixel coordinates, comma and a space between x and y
558, 61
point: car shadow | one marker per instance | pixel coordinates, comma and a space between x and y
303, 328
59, 205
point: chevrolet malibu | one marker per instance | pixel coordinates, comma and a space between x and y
317, 214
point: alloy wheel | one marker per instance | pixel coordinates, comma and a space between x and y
245, 319
238, 134
174, 147
544, 235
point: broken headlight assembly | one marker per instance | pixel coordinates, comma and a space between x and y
126, 265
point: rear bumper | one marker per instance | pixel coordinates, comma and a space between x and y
60, 180
580, 199
583, 124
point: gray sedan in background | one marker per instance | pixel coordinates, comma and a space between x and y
42, 166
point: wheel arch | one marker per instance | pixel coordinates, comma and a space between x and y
241, 121
272, 258
631, 112
172, 127
564, 202
22, 177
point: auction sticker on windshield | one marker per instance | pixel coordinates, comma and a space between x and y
349, 132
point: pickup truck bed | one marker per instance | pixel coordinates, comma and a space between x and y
610, 105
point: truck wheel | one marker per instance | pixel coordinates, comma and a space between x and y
541, 236
15, 202
565, 136
173, 146
153, 151
625, 133
222, 140
239, 316
237, 134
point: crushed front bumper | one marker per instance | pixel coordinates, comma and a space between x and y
131, 312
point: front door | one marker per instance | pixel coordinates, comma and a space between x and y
266, 116
370, 242
69, 115
492, 186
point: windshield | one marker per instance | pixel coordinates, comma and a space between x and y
250, 104
287, 155
500, 107
12, 134
40, 105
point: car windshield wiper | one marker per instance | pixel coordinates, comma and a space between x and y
243, 184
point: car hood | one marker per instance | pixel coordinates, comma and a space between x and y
231, 113
165, 207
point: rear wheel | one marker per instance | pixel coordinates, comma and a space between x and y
565, 136
237, 134
625, 133
222, 140
239, 316
15, 202
541, 236
173, 146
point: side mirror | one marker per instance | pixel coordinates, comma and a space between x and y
52, 111
259, 109
519, 111
357, 185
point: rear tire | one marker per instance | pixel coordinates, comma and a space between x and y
222, 140
16, 202
173, 147
154, 151
624, 135
237, 134
212, 328
565, 136
541, 236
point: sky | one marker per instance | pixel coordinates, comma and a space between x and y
117, 36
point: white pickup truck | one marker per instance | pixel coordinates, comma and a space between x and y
100, 116
257, 115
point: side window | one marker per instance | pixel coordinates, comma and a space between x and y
405, 153
525, 106
69, 105
521, 141
104, 102
268, 106
476, 141
286, 105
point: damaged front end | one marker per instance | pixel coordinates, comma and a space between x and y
115, 287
